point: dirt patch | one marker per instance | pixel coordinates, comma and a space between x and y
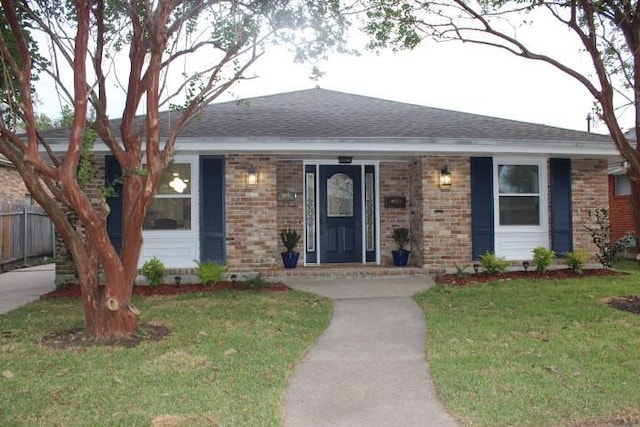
170, 290
483, 277
630, 303
77, 338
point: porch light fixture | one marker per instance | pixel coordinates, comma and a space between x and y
252, 176
344, 160
445, 178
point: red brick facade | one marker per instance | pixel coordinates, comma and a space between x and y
620, 213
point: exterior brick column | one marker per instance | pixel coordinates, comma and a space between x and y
251, 213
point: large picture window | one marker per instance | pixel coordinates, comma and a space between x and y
519, 195
171, 208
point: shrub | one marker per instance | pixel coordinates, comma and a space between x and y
600, 229
493, 264
153, 270
576, 260
401, 237
290, 239
542, 258
257, 281
461, 272
210, 272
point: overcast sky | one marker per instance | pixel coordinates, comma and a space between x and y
468, 78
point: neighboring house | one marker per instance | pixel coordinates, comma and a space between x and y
620, 210
13, 188
344, 170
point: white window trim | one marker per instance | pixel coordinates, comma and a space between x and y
543, 180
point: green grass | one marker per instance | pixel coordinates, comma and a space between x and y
535, 353
226, 362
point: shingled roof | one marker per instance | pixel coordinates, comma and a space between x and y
320, 114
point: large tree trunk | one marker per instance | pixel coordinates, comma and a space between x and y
635, 203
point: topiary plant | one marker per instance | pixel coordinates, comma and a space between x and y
576, 260
290, 239
401, 237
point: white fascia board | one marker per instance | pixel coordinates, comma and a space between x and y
384, 146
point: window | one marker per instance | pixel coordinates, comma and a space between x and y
171, 208
311, 211
623, 185
339, 196
519, 195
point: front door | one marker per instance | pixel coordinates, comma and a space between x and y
340, 213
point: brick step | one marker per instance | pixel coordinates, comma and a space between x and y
344, 270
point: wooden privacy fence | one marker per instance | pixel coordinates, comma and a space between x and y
25, 231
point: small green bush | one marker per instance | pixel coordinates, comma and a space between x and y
210, 272
461, 272
258, 281
493, 264
400, 236
542, 258
153, 270
576, 260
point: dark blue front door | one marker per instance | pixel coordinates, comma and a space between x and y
340, 213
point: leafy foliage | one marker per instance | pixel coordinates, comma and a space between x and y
400, 236
460, 271
257, 281
290, 239
543, 257
576, 260
493, 264
600, 229
210, 272
153, 270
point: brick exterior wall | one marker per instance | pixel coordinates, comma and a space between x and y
446, 213
589, 191
12, 188
620, 212
394, 181
252, 213
290, 212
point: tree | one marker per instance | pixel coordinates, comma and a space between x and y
608, 31
86, 39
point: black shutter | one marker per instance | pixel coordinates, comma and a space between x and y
212, 230
114, 221
561, 211
482, 226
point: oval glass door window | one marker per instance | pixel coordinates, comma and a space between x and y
339, 196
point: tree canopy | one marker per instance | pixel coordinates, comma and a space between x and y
176, 54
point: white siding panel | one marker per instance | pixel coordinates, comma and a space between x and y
518, 245
174, 248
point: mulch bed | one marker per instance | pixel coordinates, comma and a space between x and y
170, 290
147, 332
483, 277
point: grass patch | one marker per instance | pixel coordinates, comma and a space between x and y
226, 362
534, 353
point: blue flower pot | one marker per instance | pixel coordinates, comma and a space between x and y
290, 259
400, 257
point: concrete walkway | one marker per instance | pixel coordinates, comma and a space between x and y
368, 368
19, 287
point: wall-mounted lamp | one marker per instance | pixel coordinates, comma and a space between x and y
344, 160
252, 176
445, 178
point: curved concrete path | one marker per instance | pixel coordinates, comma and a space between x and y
368, 368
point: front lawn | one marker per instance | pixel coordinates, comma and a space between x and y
226, 362
535, 353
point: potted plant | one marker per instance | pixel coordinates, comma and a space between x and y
401, 237
290, 239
